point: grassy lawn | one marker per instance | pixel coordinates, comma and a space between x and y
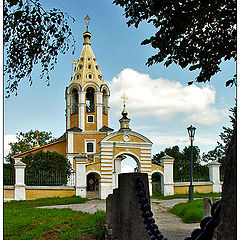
190, 212
22, 220
196, 195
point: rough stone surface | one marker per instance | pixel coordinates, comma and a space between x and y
130, 224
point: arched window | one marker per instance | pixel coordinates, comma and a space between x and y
104, 101
89, 66
78, 76
90, 105
74, 101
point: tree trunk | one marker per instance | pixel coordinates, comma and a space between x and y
228, 218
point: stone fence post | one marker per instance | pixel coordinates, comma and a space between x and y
168, 188
214, 176
81, 181
20, 187
127, 222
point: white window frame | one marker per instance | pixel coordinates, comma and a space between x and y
94, 145
91, 116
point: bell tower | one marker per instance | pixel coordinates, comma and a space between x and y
87, 95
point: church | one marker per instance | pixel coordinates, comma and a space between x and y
95, 150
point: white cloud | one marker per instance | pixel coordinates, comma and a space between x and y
165, 99
173, 140
8, 139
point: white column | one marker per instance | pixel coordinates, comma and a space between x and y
214, 175
81, 114
68, 109
99, 105
81, 181
69, 142
116, 172
168, 188
20, 187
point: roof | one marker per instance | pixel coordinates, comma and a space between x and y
74, 129
105, 129
86, 68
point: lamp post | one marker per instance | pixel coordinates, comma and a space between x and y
191, 133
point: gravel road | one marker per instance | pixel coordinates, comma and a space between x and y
171, 226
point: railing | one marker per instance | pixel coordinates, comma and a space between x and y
195, 180
8, 177
71, 181
43, 178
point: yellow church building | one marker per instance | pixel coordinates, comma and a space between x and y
95, 150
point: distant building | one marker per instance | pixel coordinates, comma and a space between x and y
88, 142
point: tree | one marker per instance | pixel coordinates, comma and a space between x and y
202, 34
26, 141
181, 167
32, 36
220, 151
45, 165
199, 34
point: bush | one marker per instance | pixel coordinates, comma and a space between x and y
46, 168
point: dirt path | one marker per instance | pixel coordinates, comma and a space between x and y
171, 226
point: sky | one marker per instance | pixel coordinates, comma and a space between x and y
160, 103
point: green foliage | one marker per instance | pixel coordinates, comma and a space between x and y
199, 34
26, 141
47, 161
190, 212
220, 151
181, 167
22, 220
32, 36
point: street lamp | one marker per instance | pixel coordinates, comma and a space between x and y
191, 133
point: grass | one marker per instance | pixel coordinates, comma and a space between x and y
196, 195
22, 220
190, 212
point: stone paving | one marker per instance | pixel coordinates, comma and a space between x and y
171, 226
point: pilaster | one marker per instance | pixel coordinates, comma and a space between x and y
20, 187
81, 181
168, 188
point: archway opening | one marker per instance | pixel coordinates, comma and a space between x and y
128, 164
90, 101
157, 183
93, 182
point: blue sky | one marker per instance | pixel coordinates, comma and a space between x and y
160, 104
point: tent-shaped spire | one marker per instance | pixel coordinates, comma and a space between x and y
86, 68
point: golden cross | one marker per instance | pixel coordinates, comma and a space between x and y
124, 97
37, 133
87, 18
75, 62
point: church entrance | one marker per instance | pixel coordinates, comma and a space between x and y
93, 185
125, 163
157, 183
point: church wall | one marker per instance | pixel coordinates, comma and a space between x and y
157, 167
105, 119
204, 188
93, 167
118, 150
59, 147
47, 192
91, 126
74, 120
79, 141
